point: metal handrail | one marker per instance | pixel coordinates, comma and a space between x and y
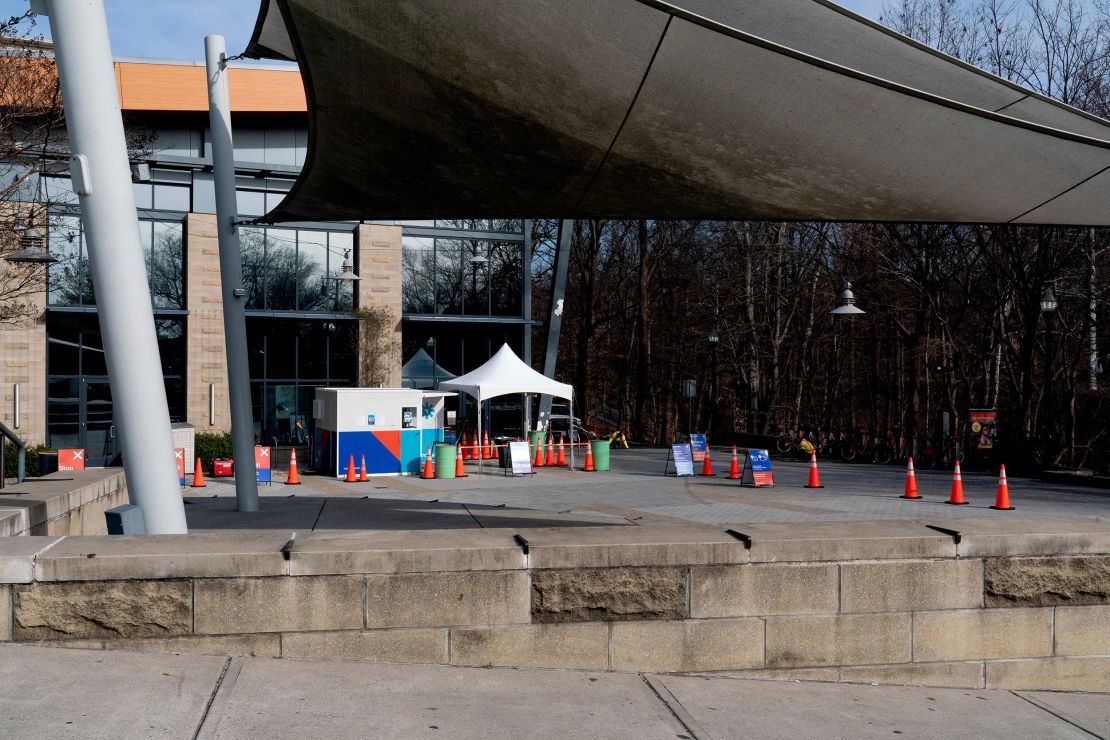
21, 464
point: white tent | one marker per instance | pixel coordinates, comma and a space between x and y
506, 374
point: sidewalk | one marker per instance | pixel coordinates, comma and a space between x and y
69, 693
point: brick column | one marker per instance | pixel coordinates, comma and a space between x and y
23, 360
204, 328
379, 266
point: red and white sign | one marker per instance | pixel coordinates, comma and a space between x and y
262, 464
179, 453
71, 459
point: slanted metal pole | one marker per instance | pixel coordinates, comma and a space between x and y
102, 179
555, 311
231, 276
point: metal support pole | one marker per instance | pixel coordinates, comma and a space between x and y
102, 179
231, 276
555, 310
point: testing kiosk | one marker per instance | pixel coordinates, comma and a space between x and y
390, 426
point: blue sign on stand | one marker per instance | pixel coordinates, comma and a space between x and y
683, 458
759, 465
698, 445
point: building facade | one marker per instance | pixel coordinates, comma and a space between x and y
455, 290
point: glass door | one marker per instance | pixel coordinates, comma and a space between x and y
98, 430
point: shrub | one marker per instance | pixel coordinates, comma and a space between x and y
210, 446
11, 459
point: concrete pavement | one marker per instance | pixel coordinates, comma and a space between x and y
634, 492
69, 693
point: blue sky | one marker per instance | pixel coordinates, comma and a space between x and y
175, 29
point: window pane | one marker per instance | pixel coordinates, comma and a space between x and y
171, 197
250, 202
505, 278
171, 346
63, 413
252, 249
66, 275
312, 271
63, 347
312, 351
449, 260
340, 245
144, 194
167, 266
281, 269
476, 278
92, 348
418, 278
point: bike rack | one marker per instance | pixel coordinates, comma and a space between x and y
21, 447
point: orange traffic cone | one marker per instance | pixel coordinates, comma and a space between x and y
351, 470
589, 467
460, 469
429, 466
293, 478
734, 468
464, 447
550, 462
1002, 501
814, 476
561, 460
957, 498
198, 476
707, 465
475, 448
362, 476
485, 446
911, 484
538, 462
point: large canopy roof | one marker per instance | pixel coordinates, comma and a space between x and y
791, 109
503, 375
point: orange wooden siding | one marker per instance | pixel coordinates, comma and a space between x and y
173, 87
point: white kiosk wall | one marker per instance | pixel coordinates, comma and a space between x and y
390, 426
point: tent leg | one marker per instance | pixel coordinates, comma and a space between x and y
479, 436
571, 425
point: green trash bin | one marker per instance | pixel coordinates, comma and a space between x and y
445, 460
534, 439
600, 448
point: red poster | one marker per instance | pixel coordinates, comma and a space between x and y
179, 453
71, 459
262, 464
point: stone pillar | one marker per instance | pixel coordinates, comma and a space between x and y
379, 266
23, 360
204, 328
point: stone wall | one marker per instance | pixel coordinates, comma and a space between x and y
63, 503
379, 267
204, 329
995, 603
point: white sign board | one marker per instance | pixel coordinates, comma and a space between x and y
518, 456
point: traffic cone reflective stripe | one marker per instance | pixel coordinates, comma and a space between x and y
362, 476
561, 460
485, 446
957, 498
734, 467
293, 478
198, 476
814, 475
1002, 501
538, 462
589, 467
550, 461
707, 464
911, 484
460, 468
429, 466
351, 470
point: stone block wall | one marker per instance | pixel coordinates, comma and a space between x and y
204, 329
379, 267
69, 503
893, 603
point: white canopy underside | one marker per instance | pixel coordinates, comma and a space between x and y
506, 374
791, 109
